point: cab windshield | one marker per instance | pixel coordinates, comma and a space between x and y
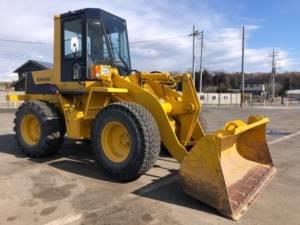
117, 36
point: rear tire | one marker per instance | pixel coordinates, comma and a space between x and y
39, 129
126, 160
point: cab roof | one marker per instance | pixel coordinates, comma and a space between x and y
89, 12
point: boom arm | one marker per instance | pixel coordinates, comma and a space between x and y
176, 114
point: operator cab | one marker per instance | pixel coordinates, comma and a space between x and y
92, 39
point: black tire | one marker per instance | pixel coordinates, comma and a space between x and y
52, 128
164, 151
144, 138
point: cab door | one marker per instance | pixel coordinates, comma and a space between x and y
73, 59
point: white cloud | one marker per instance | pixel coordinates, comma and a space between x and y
168, 22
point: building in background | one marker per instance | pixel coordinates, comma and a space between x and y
293, 94
255, 87
29, 66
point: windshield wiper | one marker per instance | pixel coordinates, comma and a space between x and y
124, 63
120, 57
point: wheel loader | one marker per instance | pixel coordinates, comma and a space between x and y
92, 94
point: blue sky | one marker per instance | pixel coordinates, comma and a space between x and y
278, 20
269, 24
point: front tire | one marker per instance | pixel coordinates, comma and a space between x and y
39, 129
126, 140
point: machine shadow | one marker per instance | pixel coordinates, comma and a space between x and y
8, 146
172, 192
78, 158
73, 157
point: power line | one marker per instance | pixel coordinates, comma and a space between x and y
131, 42
23, 41
158, 39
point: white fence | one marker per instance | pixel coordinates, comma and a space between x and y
220, 98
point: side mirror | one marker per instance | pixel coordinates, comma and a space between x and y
74, 44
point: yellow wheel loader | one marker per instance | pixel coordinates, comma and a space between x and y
91, 93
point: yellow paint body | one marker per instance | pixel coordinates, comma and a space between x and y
217, 168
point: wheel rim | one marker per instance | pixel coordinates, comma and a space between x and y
31, 129
115, 142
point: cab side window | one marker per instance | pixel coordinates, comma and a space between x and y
72, 29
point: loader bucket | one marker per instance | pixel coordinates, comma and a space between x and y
229, 168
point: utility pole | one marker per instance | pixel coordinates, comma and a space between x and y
194, 35
273, 75
201, 56
243, 68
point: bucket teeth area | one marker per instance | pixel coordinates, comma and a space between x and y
228, 170
243, 193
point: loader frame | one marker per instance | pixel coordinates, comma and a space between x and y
168, 107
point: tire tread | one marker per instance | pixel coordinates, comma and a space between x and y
148, 128
52, 122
